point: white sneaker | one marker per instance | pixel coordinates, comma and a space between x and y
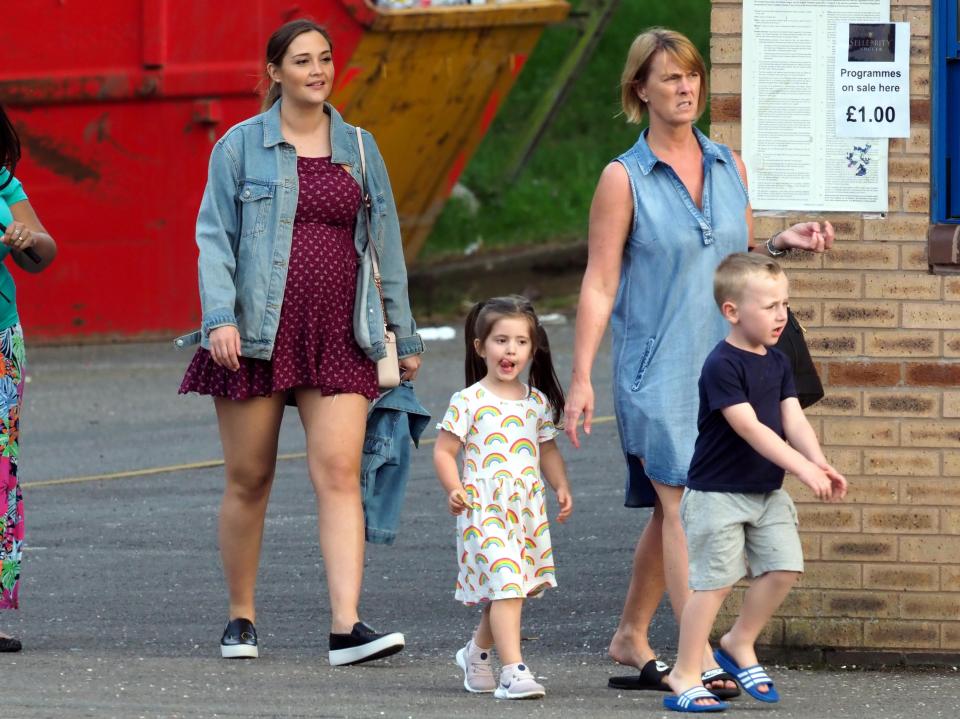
517, 682
477, 669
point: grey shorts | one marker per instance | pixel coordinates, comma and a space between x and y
727, 531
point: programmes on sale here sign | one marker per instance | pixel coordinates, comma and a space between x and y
873, 79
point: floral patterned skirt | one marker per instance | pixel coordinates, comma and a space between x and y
11, 500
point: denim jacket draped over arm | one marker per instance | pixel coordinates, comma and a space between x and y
395, 421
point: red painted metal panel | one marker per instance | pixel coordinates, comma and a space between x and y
118, 104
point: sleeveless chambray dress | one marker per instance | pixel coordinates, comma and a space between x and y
665, 320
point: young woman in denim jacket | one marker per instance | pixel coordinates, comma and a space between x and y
665, 213
280, 231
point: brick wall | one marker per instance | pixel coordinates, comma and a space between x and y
883, 569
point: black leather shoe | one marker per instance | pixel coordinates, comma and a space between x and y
10, 644
239, 640
363, 644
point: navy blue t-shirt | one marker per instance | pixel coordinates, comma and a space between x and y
722, 460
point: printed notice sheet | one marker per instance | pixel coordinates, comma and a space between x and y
794, 158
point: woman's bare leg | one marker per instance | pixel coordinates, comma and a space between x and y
249, 432
631, 644
674, 544
335, 427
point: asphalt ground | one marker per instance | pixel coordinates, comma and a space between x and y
123, 601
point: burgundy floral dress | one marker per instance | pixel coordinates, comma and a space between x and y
314, 346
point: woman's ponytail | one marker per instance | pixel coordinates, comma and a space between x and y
271, 96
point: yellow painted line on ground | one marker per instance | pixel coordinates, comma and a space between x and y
130, 474
169, 469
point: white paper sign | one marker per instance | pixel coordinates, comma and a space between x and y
872, 79
794, 158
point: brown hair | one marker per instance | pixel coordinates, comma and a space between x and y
9, 147
480, 321
732, 274
277, 47
643, 51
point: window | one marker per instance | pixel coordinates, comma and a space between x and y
945, 159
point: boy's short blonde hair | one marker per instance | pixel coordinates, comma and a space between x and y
731, 276
644, 49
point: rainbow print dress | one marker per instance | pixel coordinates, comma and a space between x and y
503, 539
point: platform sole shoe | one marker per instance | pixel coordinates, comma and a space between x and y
363, 644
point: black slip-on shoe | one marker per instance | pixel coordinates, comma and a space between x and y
363, 644
239, 640
10, 644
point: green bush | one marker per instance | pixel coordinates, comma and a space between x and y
550, 200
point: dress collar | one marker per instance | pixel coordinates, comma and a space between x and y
647, 160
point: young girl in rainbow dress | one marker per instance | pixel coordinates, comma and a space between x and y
505, 431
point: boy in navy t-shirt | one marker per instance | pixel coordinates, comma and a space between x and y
734, 511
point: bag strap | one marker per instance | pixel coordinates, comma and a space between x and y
371, 248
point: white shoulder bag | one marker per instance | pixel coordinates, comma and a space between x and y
388, 368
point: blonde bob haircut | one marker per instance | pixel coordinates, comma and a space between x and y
643, 51
730, 279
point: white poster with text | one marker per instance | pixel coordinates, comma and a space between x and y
872, 80
794, 156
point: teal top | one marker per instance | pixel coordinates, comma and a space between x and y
9, 196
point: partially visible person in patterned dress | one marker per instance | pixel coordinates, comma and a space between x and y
281, 229
23, 231
505, 431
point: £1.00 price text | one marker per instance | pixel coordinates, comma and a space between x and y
875, 114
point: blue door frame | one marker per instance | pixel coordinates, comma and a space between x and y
945, 160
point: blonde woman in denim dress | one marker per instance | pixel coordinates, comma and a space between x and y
23, 232
280, 230
665, 213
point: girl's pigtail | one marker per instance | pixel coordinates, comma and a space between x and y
474, 368
544, 377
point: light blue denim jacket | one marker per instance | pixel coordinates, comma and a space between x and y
245, 231
395, 420
665, 321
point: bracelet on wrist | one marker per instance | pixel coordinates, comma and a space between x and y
772, 248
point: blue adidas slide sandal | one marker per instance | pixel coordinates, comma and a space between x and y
685, 702
749, 677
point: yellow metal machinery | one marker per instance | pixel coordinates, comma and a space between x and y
428, 83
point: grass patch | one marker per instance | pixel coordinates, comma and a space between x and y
550, 200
